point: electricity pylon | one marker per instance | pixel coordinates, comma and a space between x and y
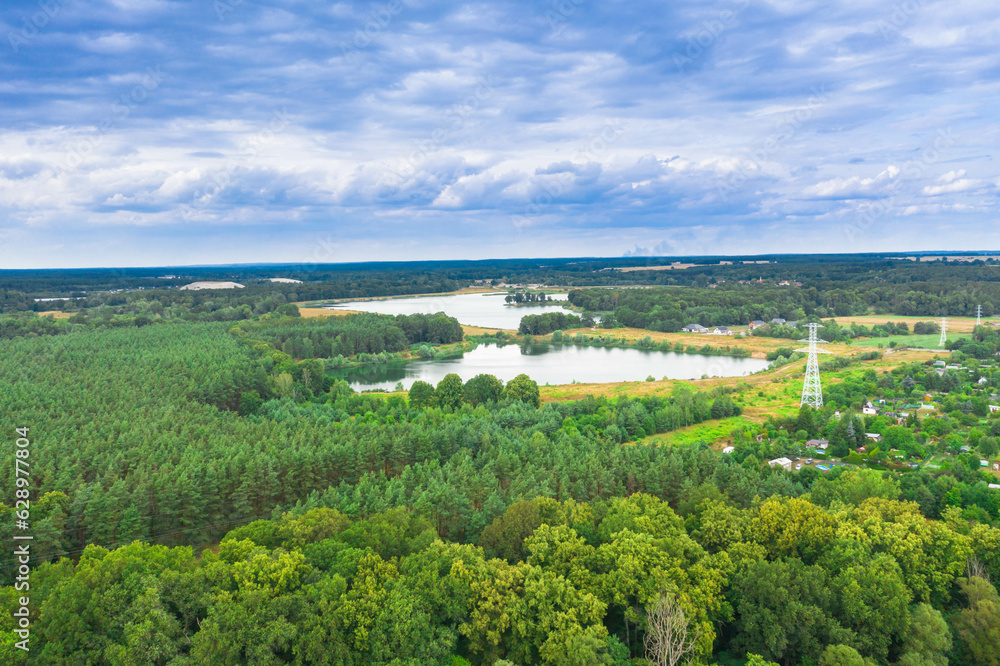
812, 390
944, 332
979, 315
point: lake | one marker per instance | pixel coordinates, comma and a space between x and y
552, 364
486, 310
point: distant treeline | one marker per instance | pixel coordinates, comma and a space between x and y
730, 304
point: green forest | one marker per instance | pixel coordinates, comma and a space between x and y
203, 490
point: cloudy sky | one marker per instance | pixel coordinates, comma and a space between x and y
155, 132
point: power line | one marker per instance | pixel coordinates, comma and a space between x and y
812, 390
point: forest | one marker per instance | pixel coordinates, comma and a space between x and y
203, 490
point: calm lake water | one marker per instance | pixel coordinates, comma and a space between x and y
553, 364
487, 310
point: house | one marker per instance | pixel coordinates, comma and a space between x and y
784, 283
777, 320
939, 364
757, 322
996, 466
983, 380
994, 486
874, 436
694, 328
793, 324
994, 408
783, 462
820, 444
729, 449
984, 463
721, 330
913, 465
869, 408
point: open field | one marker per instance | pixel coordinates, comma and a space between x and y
479, 330
957, 324
324, 312
56, 314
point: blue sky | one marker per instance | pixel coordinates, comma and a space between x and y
153, 132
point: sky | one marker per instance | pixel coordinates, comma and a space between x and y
168, 132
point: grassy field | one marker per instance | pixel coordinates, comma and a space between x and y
958, 324
929, 341
323, 312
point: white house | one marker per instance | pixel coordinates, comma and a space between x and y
994, 408
694, 328
721, 330
784, 462
729, 449
869, 408
874, 436
820, 444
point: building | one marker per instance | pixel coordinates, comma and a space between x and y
721, 330
994, 408
874, 436
729, 449
284, 280
869, 408
757, 322
694, 328
777, 320
783, 462
819, 444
